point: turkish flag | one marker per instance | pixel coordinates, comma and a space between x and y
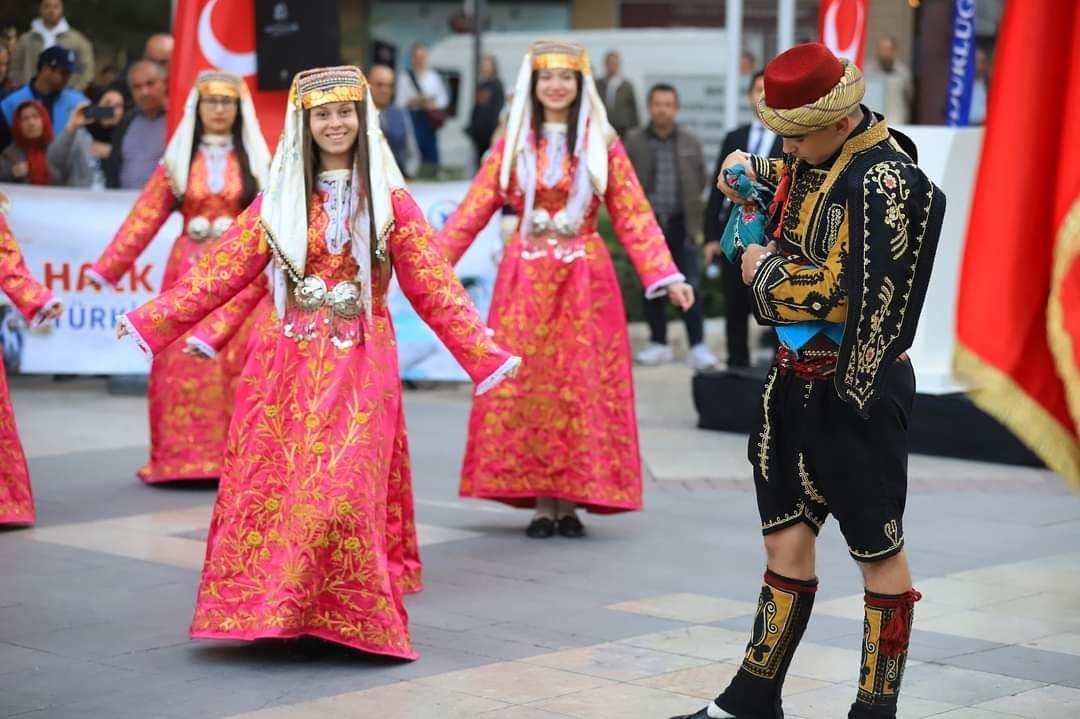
842, 28
220, 35
1018, 312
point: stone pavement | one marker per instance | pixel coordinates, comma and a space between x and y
645, 618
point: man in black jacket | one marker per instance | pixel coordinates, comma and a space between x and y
758, 140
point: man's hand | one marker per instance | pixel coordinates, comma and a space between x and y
736, 158
681, 295
752, 258
712, 249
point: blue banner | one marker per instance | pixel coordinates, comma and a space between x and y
961, 64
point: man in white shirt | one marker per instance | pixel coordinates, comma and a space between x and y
421, 91
51, 28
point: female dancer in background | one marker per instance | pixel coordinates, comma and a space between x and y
213, 167
564, 434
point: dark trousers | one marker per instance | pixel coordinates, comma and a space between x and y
685, 255
737, 312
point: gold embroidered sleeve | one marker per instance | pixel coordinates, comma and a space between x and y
428, 281
483, 200
768, 170
635, 225
153, 206
27, 294
785, 292
218, 276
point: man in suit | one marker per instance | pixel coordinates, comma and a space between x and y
760, 141
618, 96
670, 163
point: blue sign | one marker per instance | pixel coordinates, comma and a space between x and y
961, 64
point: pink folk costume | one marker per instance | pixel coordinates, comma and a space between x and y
33, 301
302, 537
566, 427
191, 399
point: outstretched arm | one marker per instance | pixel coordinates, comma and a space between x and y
428, 280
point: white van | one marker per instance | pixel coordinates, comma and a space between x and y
690, 60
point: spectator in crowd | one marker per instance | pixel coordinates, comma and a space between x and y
670, 163
759, 140
159, 49
422, 92
49, 87
618, 95
747, 63
51, 29
77, 155
490, 98
138, 142
24, 160
979, 88
106, 78
888, 83
395, 122
6, 84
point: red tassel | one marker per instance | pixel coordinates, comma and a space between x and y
897, 633
780, 199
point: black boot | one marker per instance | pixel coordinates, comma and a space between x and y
886, 633
782, 615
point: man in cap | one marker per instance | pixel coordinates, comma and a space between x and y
49, 87
853, 227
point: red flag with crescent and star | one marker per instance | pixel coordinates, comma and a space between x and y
1018, 308
842, 27
220, 35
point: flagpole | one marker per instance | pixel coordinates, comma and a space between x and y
733, 21
785, 25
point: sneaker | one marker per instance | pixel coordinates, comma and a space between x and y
655, 354
700, 358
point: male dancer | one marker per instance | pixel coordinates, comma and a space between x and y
854, 226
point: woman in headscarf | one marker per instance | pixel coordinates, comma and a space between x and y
564, 435
24, 160
213, 167
302, 539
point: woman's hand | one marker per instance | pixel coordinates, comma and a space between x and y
681, 295
121, 331
53, 312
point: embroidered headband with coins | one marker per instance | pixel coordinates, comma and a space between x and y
215, 82
807, 88
556, 55
326, 85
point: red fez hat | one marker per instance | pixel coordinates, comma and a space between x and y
801, 76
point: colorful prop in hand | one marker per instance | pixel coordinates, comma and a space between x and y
746, 224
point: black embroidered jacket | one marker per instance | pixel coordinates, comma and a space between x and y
856, 247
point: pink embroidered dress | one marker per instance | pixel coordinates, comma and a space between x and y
32, 300
190, 399
309, 535
566, 427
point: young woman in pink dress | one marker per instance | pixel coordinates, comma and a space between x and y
303, 539
37, 305
214, 165
564, 434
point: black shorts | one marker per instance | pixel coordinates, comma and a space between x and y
813, 455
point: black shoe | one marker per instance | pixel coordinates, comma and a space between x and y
570, 526
541, 528
700, 714
305, 649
